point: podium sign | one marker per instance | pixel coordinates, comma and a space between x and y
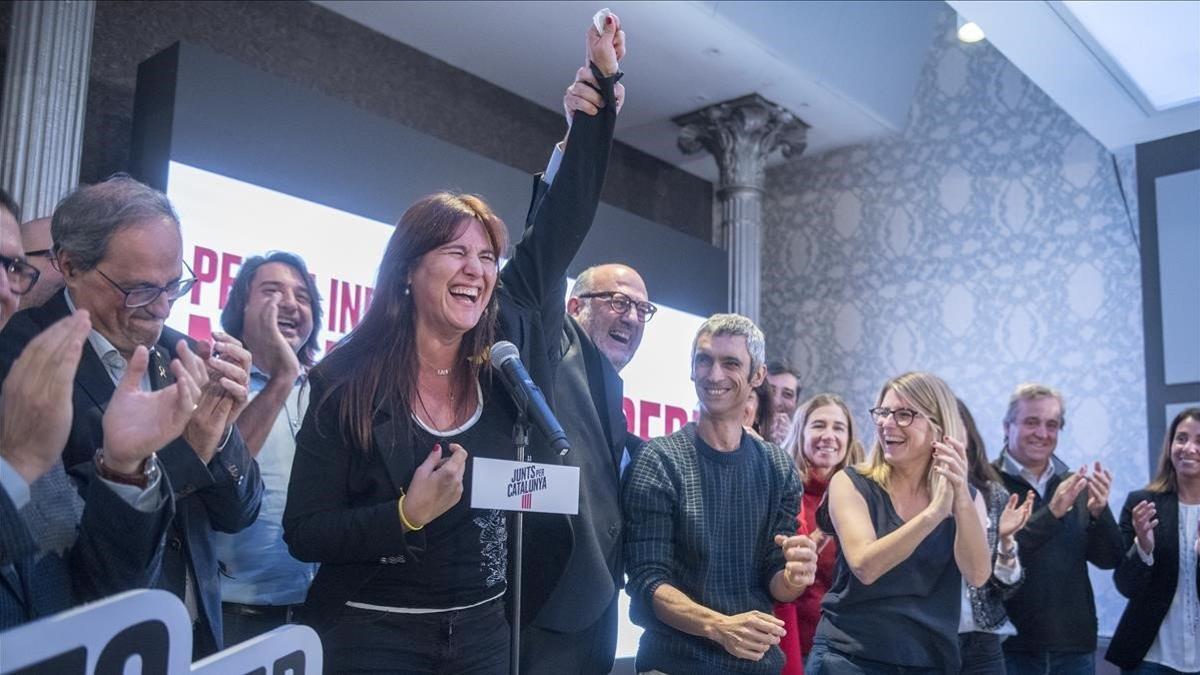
148, 630
524, 486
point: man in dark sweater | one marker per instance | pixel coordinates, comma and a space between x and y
710, 521
1054, 611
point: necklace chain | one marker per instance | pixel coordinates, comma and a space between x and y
429, 415
441, 372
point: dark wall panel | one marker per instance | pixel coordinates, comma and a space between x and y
322, 51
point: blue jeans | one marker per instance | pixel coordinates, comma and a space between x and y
1148, 668
823, 660
1050, 663
980, 653
474, 640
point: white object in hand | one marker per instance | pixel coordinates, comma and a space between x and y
600, 18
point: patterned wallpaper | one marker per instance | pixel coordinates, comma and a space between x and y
987, 243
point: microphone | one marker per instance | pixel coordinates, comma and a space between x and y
506, 359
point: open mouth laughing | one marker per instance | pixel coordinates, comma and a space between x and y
468, 295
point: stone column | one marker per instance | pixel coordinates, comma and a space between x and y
45, 93
741, 134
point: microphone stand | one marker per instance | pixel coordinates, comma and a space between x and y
521, 440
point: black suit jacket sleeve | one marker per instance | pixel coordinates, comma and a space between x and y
1132, 576
321, 523
532, 284
119, 547
1104, 541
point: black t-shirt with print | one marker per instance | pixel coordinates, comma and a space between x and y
464, 561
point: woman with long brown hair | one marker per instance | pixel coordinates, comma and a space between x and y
983, 620
822, 441
412, 578
1159, 631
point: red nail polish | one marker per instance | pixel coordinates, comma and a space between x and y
608, 20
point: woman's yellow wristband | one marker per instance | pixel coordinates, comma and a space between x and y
400, 508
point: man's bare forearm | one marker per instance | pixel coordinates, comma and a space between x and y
256, 420
674, 608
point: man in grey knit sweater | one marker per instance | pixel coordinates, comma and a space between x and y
710, 522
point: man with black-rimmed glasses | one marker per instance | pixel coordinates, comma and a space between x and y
575, 630
120, 251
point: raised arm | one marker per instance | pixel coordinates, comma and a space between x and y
868, 556
563, 216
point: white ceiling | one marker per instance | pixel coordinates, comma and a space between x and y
1128, 72
848, 69
1154, 43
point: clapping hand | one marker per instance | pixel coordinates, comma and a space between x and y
223, 369
276, 357
780, 425
1145, 519
1098, 486
35, 405
950, 475
137, 423
1014, 517
1067, 491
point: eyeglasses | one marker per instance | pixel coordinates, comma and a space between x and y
903, 416
140, 297
21, 275
621, 303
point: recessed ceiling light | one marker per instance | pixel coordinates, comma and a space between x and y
969, 31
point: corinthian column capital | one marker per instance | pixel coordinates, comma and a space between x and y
741, 134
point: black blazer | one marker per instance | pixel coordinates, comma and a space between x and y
222, 496
363, 532
588, 393
1150, 589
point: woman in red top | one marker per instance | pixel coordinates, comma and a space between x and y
821, 440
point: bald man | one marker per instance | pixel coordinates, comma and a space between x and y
576, 629
35, 238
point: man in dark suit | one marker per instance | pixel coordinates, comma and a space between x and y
576, 628
119, 247
57, 548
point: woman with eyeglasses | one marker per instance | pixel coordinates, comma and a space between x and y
1159, 631
822, 441
412, 578
909, 528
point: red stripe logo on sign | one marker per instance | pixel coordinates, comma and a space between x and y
527, 500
